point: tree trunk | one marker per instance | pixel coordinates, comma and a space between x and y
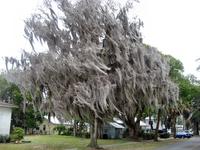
157, 125
74, 128
197, 128
174, 127
93, 134
100, 130
187, 124
49, 129
150, 122
134, 128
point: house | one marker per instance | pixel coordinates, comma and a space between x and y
46, 127
49, 124
5, 118
113, 130
116, 129
154, 123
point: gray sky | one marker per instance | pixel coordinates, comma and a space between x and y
13, 14
173, 26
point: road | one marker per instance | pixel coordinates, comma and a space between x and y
191, 144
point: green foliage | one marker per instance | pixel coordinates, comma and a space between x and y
60, 129
148, 136
86, 135
17, 134
196, 109
189, 87
32, 119
164, 135
176, 68
3, 85
68, 132
11, 93
81, 130
4, 139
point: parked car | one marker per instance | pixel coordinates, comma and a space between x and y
189, 132
183, 134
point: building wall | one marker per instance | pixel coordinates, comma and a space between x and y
5, 119
111, 132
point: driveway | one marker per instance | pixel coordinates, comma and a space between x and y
191, 144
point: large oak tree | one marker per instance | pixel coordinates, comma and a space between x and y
95, 65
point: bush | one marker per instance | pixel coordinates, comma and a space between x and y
4, 139
60, 129
87, 135
148, 136
17, 134
164, 135
68, 132
141, 133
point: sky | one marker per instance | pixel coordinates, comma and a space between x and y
12, 15
172, 26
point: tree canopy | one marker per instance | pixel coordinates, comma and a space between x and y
95, 65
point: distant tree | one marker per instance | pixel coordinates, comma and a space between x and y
176, 68
21, 117
173, 110
3, 86
189, 92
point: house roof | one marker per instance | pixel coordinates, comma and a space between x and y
116, 125
55, 120
117, 120
7, 105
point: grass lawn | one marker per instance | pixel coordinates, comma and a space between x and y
55, 142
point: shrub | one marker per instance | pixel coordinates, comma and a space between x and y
60, 129
68, 131
141, 133
164, 135
4, 139
87, 135
17, 134
148, 136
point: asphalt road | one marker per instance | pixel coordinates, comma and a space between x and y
191, 144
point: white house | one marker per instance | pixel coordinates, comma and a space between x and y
5, 118
154, 123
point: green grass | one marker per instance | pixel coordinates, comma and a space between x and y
55, 142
